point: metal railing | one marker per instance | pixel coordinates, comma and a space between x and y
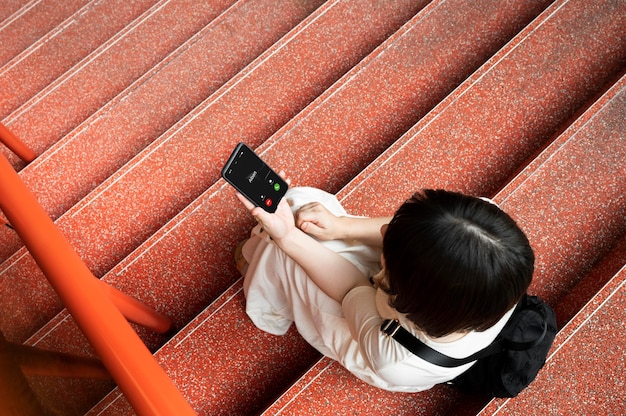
100, 310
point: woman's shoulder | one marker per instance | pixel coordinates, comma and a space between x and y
461, 345
458, 344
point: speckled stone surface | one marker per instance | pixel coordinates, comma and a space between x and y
189, 275
31, 22
193, 72
591, 283
502, 110
593, 147
584, 374
61, 48
425, 61
115, 219
162, 229
227, 357
10, 7
124, 58
360, 74
171, 172
329, 389
318, 398
586, 209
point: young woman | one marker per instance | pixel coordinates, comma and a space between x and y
449, 267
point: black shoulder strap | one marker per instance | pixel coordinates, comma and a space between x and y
392, 328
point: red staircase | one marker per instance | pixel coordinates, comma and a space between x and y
133, 106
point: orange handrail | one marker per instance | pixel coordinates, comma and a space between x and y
144, 383
13, 143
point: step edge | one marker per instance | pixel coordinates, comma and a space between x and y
570, 330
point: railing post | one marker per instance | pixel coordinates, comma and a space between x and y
136, 312
16, 145
144, 383
16, 397
36, 361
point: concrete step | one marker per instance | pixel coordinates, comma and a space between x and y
579, 295
584, 374
10, 7
586, 208
147, 192
82, 90
30, 22
197, 69
205, 336
540, 201
210, 383
61, 48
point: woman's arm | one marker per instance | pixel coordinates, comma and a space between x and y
315, 219
332, 273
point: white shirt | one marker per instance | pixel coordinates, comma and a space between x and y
387, 364
279, 293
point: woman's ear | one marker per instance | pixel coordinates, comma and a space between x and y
381, 279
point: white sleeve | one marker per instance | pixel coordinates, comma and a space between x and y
364, 321
395, 367
380, 355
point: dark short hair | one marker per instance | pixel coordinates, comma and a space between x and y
455, 262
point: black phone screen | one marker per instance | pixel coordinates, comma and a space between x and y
253, 178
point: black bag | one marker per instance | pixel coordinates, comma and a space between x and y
505, 367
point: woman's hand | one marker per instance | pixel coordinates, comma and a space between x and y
314, 219
331, 272
277, 225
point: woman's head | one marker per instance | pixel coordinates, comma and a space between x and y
454, 262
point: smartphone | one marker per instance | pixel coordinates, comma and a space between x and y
254, 179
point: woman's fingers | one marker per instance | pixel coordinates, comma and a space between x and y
260, 214
245, 201
283, 175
